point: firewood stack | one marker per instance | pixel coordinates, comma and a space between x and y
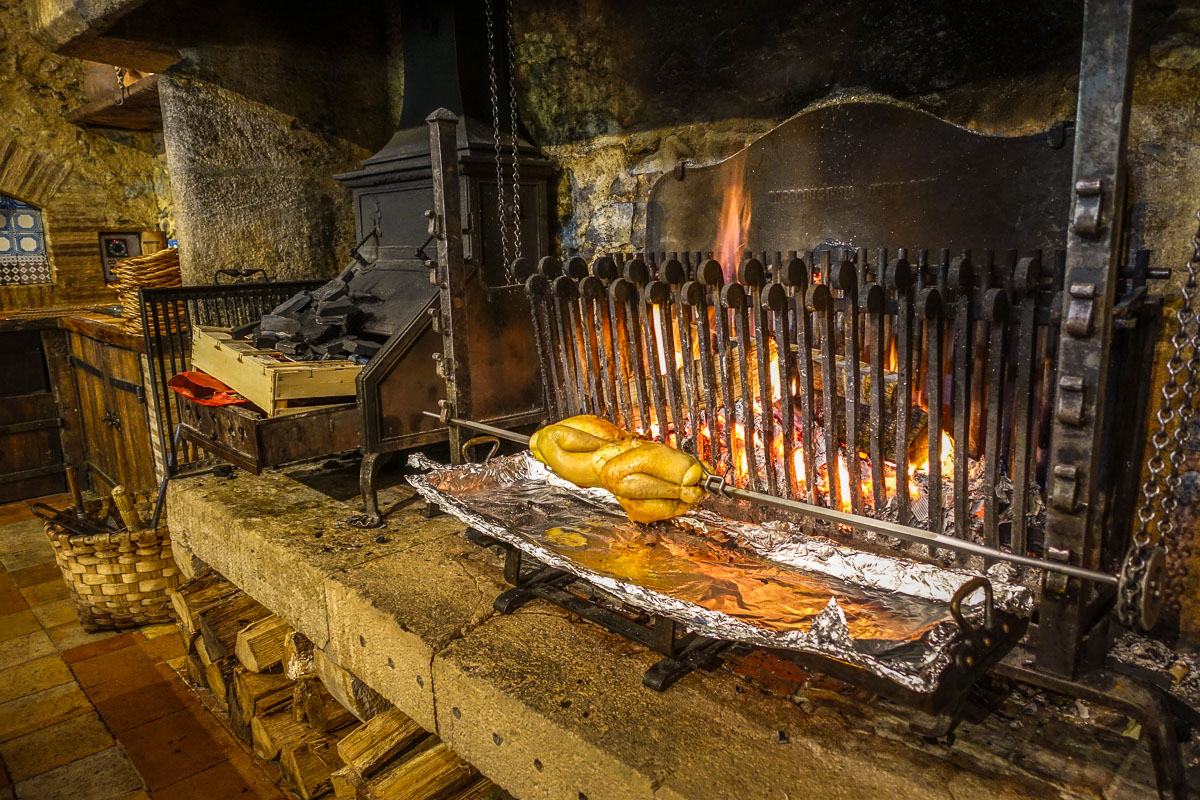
331, 735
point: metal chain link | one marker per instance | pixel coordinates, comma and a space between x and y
1160, 490
512, 106
495, 90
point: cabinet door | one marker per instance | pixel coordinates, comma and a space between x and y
131, 425
100, 445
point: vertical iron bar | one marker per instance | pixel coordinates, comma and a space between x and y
775, 302
625, 292
845, 279
711, 275
659, 293
821, 302
995, 310
808, 402
754, 276
733, 297
693, 294
900, 280
961, 285
1025, 280
873, 306
929, 304
674, 273
564, 301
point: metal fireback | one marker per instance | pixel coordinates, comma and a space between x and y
865, 173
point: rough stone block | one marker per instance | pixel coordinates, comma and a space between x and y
389, 617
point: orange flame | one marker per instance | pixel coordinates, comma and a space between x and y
733, 225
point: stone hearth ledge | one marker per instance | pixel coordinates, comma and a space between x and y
544, 704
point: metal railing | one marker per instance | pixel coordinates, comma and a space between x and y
167, 319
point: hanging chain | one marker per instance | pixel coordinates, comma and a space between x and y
1155, 515
120, 86
495, 90
516, 167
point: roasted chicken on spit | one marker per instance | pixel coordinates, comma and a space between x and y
651, 481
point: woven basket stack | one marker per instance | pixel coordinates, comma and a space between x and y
118, 579
153, 271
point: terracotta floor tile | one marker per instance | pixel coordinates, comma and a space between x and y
124, 708
46, 592
29, 557
7, 793
27, 714
125, 663
33, 676
57, 612
18, 624
36, 574
109, 643
101, 776
155, 631
163, 648
20, 649
223, 781
71, 636
12, 602
55, 745
23, 536
174, 747
5, 781
7, 584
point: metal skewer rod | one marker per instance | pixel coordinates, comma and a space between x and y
717, 485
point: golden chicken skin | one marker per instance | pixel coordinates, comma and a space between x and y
653, 482
569, 447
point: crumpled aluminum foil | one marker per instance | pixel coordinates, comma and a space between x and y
762, 584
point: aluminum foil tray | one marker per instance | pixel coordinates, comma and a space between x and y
769, 584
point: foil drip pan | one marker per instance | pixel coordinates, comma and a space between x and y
769, 585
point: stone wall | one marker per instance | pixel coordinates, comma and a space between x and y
85, 180
256, 128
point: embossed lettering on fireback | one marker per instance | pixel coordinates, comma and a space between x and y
824, 194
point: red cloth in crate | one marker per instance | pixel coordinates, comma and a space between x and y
204, 389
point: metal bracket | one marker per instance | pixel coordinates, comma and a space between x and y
1088, 198
1065, 487
1070, 400
1081, 309
1056, 581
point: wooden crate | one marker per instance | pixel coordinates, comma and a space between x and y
263, 378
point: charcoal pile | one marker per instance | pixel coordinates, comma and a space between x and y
339, 320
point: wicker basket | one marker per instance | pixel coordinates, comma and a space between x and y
152, 271
117, 580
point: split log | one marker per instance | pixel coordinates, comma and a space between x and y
426, 776
272, 732
361, 700
220, 623
201, 651
219, 675
197, 595
378, 740
347, 784
313, 704
309, 765
260, 694
297, 656
259, 646
195, 670
239, 723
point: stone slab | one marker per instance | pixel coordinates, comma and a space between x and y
275, 538
389, 617
552, 707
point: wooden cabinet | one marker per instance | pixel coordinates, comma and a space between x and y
112, 406
32, 460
